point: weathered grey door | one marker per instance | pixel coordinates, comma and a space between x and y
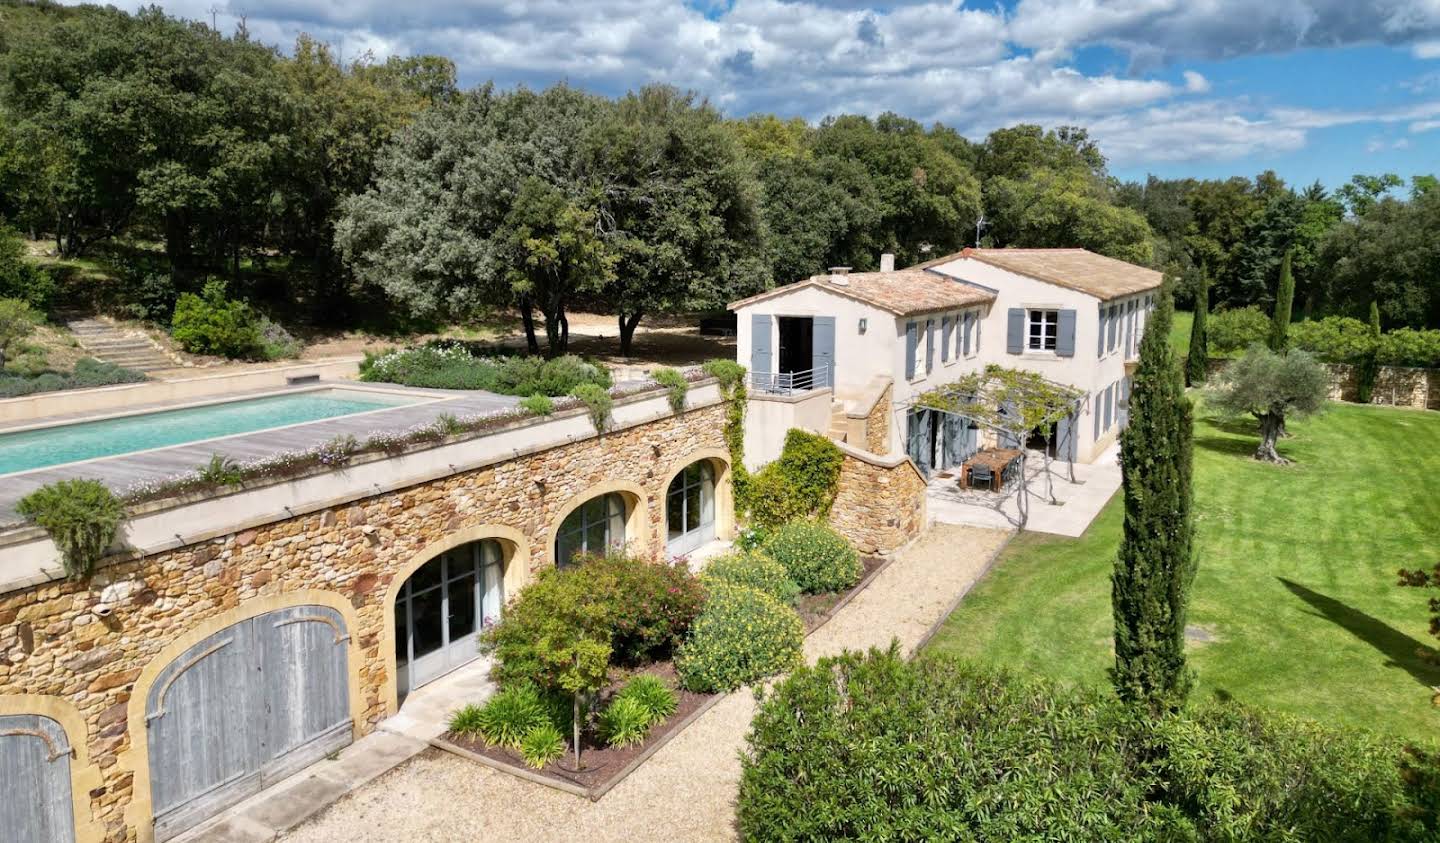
761, 355
244, 708
35, 767
822, 351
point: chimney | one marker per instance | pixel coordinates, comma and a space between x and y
837, 275
887, 262
839, 270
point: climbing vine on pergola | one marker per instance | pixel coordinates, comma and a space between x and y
1011, 401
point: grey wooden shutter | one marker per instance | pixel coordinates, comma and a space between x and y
929, 345
1065, 336
1123, 403
822, 350
35, 767
1065, 436
946, 328
761, 354
912, 337
1015, 336
1109, 405
1100, 337
1130, 328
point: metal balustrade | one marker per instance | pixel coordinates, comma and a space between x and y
789, 383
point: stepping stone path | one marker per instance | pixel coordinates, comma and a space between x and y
131, 349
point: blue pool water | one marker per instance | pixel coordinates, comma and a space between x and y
29, 449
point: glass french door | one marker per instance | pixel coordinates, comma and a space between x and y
442, 609
690, 509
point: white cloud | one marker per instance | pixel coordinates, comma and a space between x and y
1424, 126
1196, 83
1426, 50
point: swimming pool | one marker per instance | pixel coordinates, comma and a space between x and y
86, 440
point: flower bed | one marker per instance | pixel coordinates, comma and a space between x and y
604, 765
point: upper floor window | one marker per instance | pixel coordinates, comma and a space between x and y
1042, 329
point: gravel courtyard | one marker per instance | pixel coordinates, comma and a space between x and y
687, 790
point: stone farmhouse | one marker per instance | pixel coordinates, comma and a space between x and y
847, 352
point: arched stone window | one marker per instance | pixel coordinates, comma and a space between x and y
593, 528
443, 607
690, 509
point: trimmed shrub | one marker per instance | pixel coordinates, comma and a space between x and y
802, 483
212, 324
652, 695
82, 518
1409, 347
755, 570
540, 405
816, 557
675, 385
1336, 339
875, 747
742, 635
624, 722
1232, 331
506, 718
541, 745
445, 365
639, 609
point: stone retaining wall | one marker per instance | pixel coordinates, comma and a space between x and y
1396, 386
54, 643
880, 505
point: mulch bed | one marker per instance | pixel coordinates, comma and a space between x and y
603, 767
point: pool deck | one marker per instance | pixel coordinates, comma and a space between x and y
121, 471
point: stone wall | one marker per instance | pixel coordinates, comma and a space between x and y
1397, 386
880, 504
52, 642
877, 424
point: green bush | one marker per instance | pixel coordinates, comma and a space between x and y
624, 722
276, 343
82, 518
1336, 339
801, 483
17, 321
453, 366
466, 720
817, 558
599, 402
506, 718
755, 570
87, 374
637, 608
20, 278
210, 323
675, 384
540, 405
149, 295
1409, 347
1233, 331
541, 745
741, 636
651, 694
875, 747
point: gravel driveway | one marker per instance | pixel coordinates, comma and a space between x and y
686, 791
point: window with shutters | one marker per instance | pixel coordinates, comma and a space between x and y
922, 338
1041, 329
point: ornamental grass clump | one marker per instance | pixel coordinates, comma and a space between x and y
510, 715
625, 722
541, 745
755, 570
651, 694
816, 557
743, 635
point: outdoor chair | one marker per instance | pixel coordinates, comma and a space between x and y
981, 474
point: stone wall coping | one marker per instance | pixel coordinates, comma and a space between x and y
788, 398
882, 461
28, 557
870, 396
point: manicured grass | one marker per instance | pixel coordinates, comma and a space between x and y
1180, 331
1296, 576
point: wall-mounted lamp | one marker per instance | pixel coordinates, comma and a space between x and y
863, 322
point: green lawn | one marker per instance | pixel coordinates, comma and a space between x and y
1180, 331
1296, 576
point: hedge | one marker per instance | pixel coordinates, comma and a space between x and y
452, 366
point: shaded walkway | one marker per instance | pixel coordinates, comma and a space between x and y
687, 790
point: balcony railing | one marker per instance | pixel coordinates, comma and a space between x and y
789, 383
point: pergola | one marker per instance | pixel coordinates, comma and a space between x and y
1012, 402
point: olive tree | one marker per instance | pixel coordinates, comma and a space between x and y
1272, 387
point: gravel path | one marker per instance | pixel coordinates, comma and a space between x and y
687, 790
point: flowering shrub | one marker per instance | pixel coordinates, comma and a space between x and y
742, 635
816, 557
753, 569
442, 366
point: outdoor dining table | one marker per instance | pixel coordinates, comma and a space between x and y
996, 459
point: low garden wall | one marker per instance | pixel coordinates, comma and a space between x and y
880, 504
1395, 386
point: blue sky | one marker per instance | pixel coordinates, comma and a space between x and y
1314, 89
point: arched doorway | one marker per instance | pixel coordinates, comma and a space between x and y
594, 528
690, 509
441, 610
35, 765
244, 708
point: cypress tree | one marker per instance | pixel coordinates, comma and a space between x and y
1150, 587
1284, 299
1368, 367
1375, 319
1197, 356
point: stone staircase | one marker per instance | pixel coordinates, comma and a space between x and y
132, 349
839, 425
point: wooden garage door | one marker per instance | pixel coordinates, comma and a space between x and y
244, 708
35, 769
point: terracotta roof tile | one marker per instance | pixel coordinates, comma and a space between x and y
904, 292
1076, 269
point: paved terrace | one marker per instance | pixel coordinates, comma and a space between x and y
119, 472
